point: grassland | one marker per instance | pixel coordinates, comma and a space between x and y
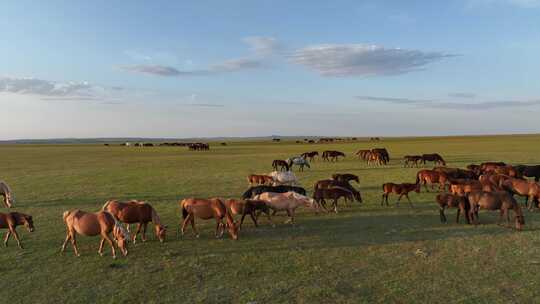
366, 253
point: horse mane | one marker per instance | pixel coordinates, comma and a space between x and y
155, 216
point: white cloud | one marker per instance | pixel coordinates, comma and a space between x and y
362, 60
263, 46
33, 86
518, 3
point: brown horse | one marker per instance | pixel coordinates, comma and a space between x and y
502, 201
248, 206
206, 209
310, 155
529, 189
254, 179
529, 171
320, 196
281, 164
13, 219
93, 224
330, 183
399, 189
363, 154
457, 173
433, 157
410, 160
490, 166
463, 187
346, 177
506, 170
446, 200
432, 177
137, 212
493, 179
332, 155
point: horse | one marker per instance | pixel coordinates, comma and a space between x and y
93, 224
363, 154
502, 201
251, 192
206, 209
310, 155
463, 187
433, 157
281, 164
332, 155
137, 212
400, 189
248, 206
446, 200
13, 219
288, 201
346, 177
490, 166
299, 161
409, 160
284, 178
259, 179
7, 194
493, 179
383, 154
320, 196
330, 183
431, 177
529, 171
376, 157
529, 189
457, 173
506, 170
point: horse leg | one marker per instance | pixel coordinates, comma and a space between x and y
269, 218
334, 203
410, 203
253, 218
136, 233
185, 222
16, 236
457, 215
108, 238
100, 250
192, 220
382, 198
74, 243
8, 234
441, 214
68, 237
399, 199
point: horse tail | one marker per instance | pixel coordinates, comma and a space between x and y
184, 210
65, 215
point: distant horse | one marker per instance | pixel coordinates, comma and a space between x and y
411, 160
445, 200
399, 189
363, 154
7, 194
137, 212
346, 177
432, 177
250, 207
299, 161
330, 183
288, 201
253, 191
281, 164
13, 219
254, 179
332, 155
207, 209
529, 189
457, 173
495, 201
320, 196
310, 155
529, 171
284, 178
382, 153
433, 157
93, 224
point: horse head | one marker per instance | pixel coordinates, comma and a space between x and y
233, 228
28, 222
161, 232
122, 237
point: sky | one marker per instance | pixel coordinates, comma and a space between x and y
258, 68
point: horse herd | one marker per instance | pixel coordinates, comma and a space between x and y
490, 186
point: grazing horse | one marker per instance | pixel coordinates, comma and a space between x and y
463, 187
299, 161
330, 183
502, 201
529, 171
382, 154
251, 192
432, 177
249, 206
411, 160
320, 196
7, 194
446, 200
332, 155
363, 154
207, 209
287, 201
137, 212
529, 189
310, 155
93, 224
259, 179
457, 173
433, 157
346, 177
284, 178
13, 219
281, 164
399, 189
506, 170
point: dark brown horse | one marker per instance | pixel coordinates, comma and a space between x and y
281, 164
490, 166
249, 206
321, 195
345, 177
457, 173
332, 155
529, 171
310, 155
207, 209
410, 160
433, 157
446, 200
137, 212
399, 189
330, 183
432, 177
502, 201
13, 219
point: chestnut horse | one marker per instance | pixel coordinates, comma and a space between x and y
281, 164
310, 155
432, 177
7, 194
320, 196
248, 206
501, 200
206, 209
346, 177
13, 219
259, 179
529, 189
400, 189
446, 200
137, 212
93, 224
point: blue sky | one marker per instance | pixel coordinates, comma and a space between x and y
251, 68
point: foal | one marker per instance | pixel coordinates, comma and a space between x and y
400, 189
13, 219
207, 209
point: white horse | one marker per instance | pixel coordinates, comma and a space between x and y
284, 178
5, 191
287, 201
299, 161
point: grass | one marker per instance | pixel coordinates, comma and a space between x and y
366, 253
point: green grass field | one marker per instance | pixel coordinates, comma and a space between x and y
366, 253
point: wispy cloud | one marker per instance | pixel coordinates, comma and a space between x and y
263, 46
518, 3
158, 70
394, 99
342, 60
204, 105
462, 95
